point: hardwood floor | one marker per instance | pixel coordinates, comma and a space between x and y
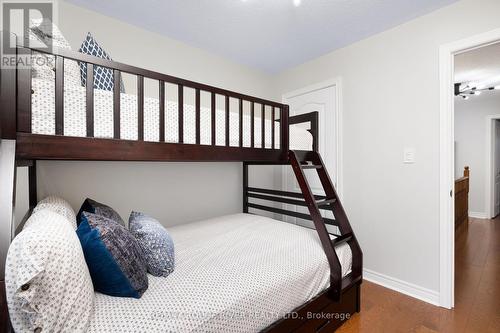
477, 293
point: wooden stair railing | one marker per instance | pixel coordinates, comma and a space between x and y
300, 161
462, 199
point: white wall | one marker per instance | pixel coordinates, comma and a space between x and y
391, 101
471, 132
172, 192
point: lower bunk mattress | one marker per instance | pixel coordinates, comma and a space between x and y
236, 273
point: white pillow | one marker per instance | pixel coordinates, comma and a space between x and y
57, 205
47, 281
45, 32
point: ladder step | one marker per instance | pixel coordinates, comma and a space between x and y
311, 166
350, 280
342, 239
326, 202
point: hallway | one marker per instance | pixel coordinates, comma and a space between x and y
477, 293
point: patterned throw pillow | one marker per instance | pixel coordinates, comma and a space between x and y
115, 259
47, 281
103, 77
98, 208
155, 241
43, 65
57, 205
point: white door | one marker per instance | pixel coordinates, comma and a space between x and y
323, 100
496, 158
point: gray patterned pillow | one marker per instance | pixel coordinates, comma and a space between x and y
157, 244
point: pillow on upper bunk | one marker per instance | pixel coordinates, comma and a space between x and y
57, 205
103, 77
114, 258
155, 241
98, 208
47, 281
44, 32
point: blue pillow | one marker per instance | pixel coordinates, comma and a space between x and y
156, 243
98, 208
103, 77
115, 260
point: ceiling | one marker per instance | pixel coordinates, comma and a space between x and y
479, 67
270, 35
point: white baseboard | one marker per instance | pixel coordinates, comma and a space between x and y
410, 289
478, 215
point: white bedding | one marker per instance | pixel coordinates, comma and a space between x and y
43, 119
237, 273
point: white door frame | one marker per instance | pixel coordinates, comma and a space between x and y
490, 165
446, 159
337, 83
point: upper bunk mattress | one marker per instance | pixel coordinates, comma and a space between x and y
237, 273
43, 119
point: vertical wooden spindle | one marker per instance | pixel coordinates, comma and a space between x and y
252, 124
263, 125
227, 121
116, 104
241, 123
197, 116
162, 110
213, 106
284, 136
20, 93
59, 95
140, 107
90, 100
180, 107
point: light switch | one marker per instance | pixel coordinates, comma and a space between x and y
409, 155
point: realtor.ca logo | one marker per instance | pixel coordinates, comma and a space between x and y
25, 24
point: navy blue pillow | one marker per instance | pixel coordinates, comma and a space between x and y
103, 77
115, 260
98, 208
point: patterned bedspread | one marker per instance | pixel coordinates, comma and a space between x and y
237, 273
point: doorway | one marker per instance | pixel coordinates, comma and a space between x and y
448, 53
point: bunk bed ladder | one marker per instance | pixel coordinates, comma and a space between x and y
301, 160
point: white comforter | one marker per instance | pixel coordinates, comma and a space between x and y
237, 273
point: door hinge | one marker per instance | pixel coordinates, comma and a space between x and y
451, 193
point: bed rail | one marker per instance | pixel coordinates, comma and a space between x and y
17, 117
313, 119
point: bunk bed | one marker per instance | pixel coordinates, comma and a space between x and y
261, 136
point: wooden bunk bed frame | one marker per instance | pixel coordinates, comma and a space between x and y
325, 312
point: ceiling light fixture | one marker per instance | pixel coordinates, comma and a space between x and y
297, 3
465, 90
